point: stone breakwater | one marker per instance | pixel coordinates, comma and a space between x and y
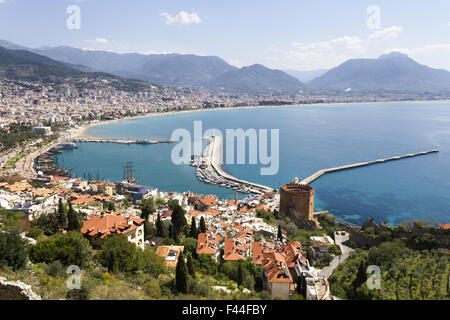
319, 173
16, 290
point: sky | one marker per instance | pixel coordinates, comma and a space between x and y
283, 34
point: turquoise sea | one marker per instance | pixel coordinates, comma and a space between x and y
311, 138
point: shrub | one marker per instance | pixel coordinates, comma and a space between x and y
150, 262
334, 249
54, 269
190, 245
79, 294
12, 250
152, 289
206, 264
35, 232
118, 254
70, 249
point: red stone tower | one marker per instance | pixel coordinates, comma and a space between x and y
297, 199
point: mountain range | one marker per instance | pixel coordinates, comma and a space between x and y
28, 66
394, 72
391, 73
174, 70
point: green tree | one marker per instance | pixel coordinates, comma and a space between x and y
361, 276
240, 274
70, 248
160, 229
34, 232
12, 250
149, 230
111, 206
193, 231
181, 275
149, 262
147, 208
118, 254
178, 218
61, 215
202, 225
48, 222
173, 233
190, 245
206, 264
280, 234
190, 265
73, 220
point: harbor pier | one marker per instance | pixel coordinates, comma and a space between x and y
121, 141
209, 170
319, 173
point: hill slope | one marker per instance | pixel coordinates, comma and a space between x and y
28, 66
256, 79
390, 73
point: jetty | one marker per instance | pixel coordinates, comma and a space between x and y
121, 141
319, 173
209, 170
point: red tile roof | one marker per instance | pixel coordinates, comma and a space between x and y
209, 200
204, 245
274, 265
102, 226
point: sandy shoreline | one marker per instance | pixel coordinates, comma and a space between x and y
81, 131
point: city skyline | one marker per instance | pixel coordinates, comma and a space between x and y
294, 35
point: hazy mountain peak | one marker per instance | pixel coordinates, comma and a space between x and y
394, 54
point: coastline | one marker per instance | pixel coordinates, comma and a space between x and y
80, 132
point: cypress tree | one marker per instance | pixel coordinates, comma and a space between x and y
181, 275
73, 223
190, 266
280, 234
193, 232
240, 274
159, 227
61, 215
301, 285
178, 218
361, 276
171, 231
146, 230
175, 235
202, 225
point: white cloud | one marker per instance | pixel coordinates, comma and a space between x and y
388, 33
99, 40
182, 18
330, 53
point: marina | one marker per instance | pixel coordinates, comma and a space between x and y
209, 170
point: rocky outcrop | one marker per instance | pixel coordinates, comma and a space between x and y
16, 290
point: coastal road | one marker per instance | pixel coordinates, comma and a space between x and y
342, 242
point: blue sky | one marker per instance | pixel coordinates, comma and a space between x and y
283, 34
